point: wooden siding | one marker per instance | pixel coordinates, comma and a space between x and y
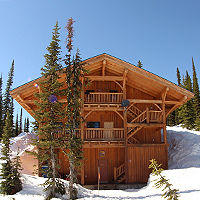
103, 86
138, 162
104, 116
115, 157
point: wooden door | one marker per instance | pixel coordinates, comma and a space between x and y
108, 133
103, 166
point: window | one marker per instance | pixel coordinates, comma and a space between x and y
93, 125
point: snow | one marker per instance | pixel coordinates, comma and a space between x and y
183, 173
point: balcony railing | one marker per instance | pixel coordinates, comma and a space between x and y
96, 134
64, 133
104, 134
96, 97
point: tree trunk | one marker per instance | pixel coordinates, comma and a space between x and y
53, 170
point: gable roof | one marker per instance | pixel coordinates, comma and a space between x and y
136, 77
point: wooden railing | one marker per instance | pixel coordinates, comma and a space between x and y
96, 97
118, 171
133, 109
151, 116
65, 133
104, 134
155, 116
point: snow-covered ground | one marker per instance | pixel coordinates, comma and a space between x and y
183, 173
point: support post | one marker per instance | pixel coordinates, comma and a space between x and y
164, 118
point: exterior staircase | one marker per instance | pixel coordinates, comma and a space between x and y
119, 173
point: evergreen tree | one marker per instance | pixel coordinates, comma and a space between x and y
49, 113
17, 167
177, 121
74, 70
162, 182
20, 122
196, 98
171, 119
25, 125
186, 114
7, 100
11, 112
140, 65
9, 185
16, 133
1, 107
178, 76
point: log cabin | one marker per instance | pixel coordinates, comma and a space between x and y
125, 110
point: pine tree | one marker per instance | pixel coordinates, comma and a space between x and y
25, 125
178, 76
16, 132
74, 70
171, 119
11, 112
1, 107
6, 171
196, 99
7, 100
10, 184
162, 182
140, 65
49, 113
20, 122
177, 121
17, 167
186, 114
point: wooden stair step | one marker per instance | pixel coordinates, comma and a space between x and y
121, 178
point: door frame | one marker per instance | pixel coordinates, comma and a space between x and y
107, 181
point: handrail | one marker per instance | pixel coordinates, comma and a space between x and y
118, 171
104, 134
140, 118
103, 97
150, 116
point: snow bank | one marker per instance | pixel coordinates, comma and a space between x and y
184, 172
184, 147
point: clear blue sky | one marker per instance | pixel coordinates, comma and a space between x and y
163, 34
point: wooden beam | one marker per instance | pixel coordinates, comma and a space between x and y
104, 67
124, 83
164, 118
164, 91
82, 113
88, 114
144, 124
134, 132
105, 78
119, 85
149, 145
119, 114
125, 125
177, 103
144, 101
28, 108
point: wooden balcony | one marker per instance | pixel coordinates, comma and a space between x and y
103, 98
100, 134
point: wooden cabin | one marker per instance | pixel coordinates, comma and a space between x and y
125, 110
